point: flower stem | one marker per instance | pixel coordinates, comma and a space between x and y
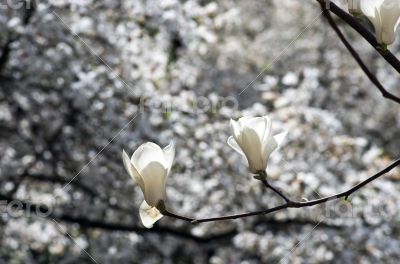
184, 218
274, 189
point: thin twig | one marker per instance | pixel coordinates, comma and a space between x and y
275, 190
356, 56
292, 204
184, 218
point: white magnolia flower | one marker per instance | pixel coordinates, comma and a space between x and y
252, 137
149, 168
354, 6
385, 16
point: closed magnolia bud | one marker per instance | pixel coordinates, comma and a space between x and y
252, 137
385, 16
149, 168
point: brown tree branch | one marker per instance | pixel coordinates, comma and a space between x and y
356, 56
43, 212
292, 204
364, 32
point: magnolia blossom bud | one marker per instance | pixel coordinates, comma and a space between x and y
149, 168
354, 7
385, 16
252, 137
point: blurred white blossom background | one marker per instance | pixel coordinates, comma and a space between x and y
82, 80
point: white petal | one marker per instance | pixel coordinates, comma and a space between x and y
377, 22
233, 144
251, 146
354, 6
235, 129
169, 155
130, 168
154, 176
268, 147
389, 13
149, 215
368, 8
280, 138
147, 153
268, 129
272, 144
384, 15
243, 120
259, 125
